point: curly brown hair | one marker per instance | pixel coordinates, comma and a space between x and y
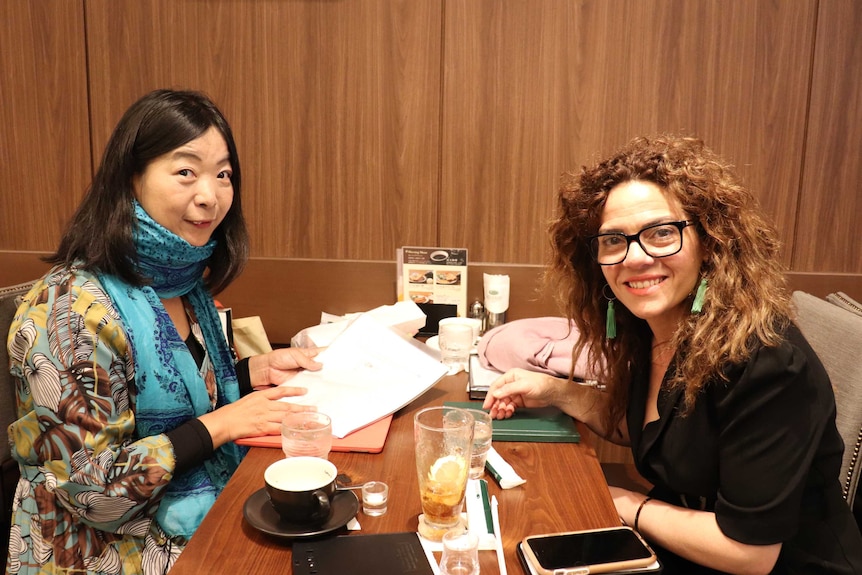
747, 302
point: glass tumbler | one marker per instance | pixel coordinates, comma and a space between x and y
443, 438
306, 433
482, 432
456, 341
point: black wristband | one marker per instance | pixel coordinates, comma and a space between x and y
192, 445
243, 377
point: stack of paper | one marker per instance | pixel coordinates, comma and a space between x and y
369, 371
480, 378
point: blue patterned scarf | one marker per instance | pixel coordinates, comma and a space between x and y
170, 387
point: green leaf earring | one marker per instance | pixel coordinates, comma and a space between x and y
697, 304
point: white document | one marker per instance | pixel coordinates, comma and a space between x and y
369, 371
481, 377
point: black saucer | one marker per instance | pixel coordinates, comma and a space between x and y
262, 516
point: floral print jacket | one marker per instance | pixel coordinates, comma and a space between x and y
89, 487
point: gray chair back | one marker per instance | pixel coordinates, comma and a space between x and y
10, 298
835, 334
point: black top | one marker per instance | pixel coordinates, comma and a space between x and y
761, 451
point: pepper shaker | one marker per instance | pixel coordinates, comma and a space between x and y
477, 311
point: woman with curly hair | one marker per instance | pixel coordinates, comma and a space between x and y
663, 261
128, 396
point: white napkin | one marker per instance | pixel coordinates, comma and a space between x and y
502, 471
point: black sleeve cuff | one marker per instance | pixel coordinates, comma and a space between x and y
192, 445
243, 377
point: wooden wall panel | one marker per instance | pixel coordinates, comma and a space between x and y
44, 140
831, 195
290, 294
532, 89
366, 125
334, 105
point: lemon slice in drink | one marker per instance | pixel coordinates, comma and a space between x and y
448, 469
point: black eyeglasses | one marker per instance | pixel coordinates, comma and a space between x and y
657, 241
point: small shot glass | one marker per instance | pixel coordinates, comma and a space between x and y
460, 553
375, 497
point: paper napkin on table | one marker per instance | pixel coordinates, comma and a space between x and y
500, 470
404, 316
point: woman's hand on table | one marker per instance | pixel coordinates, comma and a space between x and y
520, 388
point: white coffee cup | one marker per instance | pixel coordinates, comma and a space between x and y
474, 323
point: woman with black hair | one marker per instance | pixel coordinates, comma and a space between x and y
129, 397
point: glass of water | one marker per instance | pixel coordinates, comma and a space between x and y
456, 341
482, 431
306, 433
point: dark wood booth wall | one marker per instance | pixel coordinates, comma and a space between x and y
365, 125
371, 124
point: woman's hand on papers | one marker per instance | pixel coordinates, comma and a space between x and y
280, 365
253, 415
521, 388
260, 413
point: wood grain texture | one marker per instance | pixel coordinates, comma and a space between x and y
290, 295
831, 195
371, 124
535, 88
226, 543
335, 108
44, 142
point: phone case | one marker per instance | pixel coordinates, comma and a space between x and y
528, 570
532, 566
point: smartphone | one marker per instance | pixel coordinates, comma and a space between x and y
591, 551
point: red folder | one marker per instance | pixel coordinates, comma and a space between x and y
369, 439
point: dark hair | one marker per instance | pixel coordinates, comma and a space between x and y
747, 302
99, 237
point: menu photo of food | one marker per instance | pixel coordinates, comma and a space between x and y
448, 278
420, 276
422, 296
433, 275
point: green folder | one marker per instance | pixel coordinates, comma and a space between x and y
539, 425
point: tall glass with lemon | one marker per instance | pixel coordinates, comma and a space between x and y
443, 437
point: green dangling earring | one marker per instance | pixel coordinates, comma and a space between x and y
699, 296
611, 318
611, 321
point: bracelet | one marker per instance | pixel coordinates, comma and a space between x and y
638, 512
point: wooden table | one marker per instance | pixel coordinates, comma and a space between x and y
565, 490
